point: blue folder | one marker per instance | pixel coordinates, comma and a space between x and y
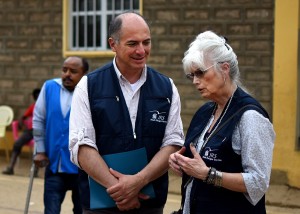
128, 163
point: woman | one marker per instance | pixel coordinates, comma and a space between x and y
227, 156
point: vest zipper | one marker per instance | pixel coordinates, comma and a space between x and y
134, 135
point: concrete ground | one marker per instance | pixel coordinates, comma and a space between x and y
14, 189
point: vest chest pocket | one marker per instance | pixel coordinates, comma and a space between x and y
155, 118
218, 152
214, 150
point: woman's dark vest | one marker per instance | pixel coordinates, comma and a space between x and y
218, 153
113, 126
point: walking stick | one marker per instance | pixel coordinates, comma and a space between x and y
32, 170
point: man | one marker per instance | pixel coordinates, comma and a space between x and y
25, 137
51, 135
122, 107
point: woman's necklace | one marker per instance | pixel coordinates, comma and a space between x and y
219, 122
211, 133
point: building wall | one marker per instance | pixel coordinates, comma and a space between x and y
286, 92
31, 44
30, 49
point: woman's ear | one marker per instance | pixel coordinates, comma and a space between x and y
225, 68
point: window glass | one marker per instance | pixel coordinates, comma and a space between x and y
126, 5
117, 4
109, 18
74, 8
110, 5
81, 5
74, 32
90, 5
98, 31
136, 4
81, 31
98, 5
90, 31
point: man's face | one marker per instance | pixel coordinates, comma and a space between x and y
72, 71
134, 46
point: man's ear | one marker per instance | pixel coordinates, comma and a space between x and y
112, 44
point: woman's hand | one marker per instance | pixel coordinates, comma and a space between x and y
194, 167
173, 162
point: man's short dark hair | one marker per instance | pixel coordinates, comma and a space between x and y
35, 93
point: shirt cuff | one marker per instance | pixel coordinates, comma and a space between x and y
78, 140
253, 194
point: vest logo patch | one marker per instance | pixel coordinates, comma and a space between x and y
159, 117
210, 154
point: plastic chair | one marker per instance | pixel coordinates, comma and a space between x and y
6, 117
15, 131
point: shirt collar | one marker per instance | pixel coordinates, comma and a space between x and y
121, 77
59, 82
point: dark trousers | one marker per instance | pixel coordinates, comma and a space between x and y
24, 138
142, 210
56, 186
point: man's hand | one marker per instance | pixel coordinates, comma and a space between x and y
133, 203
126, 192
41, 160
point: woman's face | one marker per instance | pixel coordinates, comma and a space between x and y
210, 84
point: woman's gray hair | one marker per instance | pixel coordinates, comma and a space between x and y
210, 49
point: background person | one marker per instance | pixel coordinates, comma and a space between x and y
123, 106
227, 156
51, 135
26, 124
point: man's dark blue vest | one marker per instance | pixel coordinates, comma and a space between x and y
112, 122
218, 153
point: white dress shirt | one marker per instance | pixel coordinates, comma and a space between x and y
82, 131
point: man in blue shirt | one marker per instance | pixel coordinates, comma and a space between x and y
51, 131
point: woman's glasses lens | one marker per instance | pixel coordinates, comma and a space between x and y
198, 73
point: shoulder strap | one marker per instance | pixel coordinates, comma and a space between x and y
228, 119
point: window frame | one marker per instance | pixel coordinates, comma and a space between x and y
66, 50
